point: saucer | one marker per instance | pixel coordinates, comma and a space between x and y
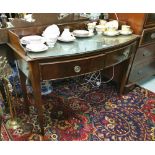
125, 32
111, 33
36, 47
70, 39
90, 34
32, 38
81, 32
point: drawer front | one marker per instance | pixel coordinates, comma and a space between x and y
145, 53
150, 19
139, 73
148, 36
117, 56
68, 68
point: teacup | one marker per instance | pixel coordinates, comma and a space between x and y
91, 27
100, 28
126, 28
51, 40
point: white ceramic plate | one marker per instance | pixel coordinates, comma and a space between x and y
126, 32
66, 39
36, 47
81, 32
83, 36
32, 38
111, 33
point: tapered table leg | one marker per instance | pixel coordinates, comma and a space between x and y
126, 69
35, 81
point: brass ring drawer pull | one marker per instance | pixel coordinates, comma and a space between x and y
153, 35
77, 69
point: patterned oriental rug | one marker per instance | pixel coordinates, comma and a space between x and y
77, 112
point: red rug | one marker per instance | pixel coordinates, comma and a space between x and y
75, 112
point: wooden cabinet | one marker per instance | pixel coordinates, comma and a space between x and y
143, 65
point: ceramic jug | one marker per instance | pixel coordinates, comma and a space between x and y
66, 33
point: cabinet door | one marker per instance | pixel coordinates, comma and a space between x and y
149, 20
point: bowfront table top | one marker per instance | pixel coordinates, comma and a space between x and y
82, 46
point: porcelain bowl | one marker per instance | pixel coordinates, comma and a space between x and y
52, 30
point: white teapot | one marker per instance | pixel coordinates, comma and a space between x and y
66, 34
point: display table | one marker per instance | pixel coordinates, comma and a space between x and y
84, 55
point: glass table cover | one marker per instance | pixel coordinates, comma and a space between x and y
81, 46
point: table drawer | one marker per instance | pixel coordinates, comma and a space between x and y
148, 36
72, 67
145, 53
117, 56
